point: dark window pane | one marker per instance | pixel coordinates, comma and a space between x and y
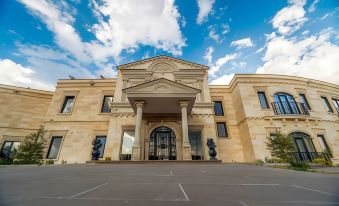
9, 148
273, 136
218, 108
68, 104
327, 104
263, 100
54, 148
304, 101
336, 104
222, 131
324, 144
103, 142
195, 142
105, 104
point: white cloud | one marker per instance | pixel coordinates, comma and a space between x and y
12, 73
220, 62
290, 18
313, 5
152, 23
132, 23
59, 21
312, 57
208, 55
226, 28
242, 43
223, 80
212, 33
205, 7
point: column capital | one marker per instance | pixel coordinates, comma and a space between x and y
183, 104
139, 104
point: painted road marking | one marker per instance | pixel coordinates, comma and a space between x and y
183, 191
84, 192
305, 188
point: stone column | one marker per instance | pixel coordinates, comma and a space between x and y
186, 147
136, 145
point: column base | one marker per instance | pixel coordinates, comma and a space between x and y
135, 153
186, 153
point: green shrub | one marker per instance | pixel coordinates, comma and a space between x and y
63, 162
49, 162
281, 146
321, 161
274, 160
4, 161
259, 162
108, 158
31, 150
26, 162
300, 166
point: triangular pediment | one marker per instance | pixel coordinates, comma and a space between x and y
162, 63
161, 86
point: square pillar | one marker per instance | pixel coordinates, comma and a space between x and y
186, 147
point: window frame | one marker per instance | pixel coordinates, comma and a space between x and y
225, 126
63, 106
50, 146
12, 144
222, 109
302, 97
103, 103
325, 144
122, 141
326, 104
336, 103
265, 99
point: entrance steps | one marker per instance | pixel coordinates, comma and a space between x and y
154, 162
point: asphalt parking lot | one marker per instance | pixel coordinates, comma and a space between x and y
164, 184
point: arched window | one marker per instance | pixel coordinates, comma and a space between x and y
305, 150
285, 104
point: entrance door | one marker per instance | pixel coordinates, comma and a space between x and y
162, 144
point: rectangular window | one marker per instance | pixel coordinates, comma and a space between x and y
304, 101
273, 136
218, 108
127, 143
263, 100
68, 104
327, 104
324, 144
222, 130
195, 142
103, 143
9, 148
105, 104
54, 148
336, 104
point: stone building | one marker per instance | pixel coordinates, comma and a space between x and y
162, 108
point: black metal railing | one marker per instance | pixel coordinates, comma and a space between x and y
290, 108
309, 156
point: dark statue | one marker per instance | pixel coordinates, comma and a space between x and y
211, 146
96, 149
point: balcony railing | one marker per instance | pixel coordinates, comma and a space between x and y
309, 156
290, 108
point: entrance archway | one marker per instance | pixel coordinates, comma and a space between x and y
162, 144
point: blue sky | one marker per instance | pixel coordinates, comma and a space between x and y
45, 40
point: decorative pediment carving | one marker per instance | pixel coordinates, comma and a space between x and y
161, 86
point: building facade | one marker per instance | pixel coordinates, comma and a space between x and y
162, 108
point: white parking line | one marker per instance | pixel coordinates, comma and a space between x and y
243, 203
171, 172
84, 192
183, 191
305, 188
